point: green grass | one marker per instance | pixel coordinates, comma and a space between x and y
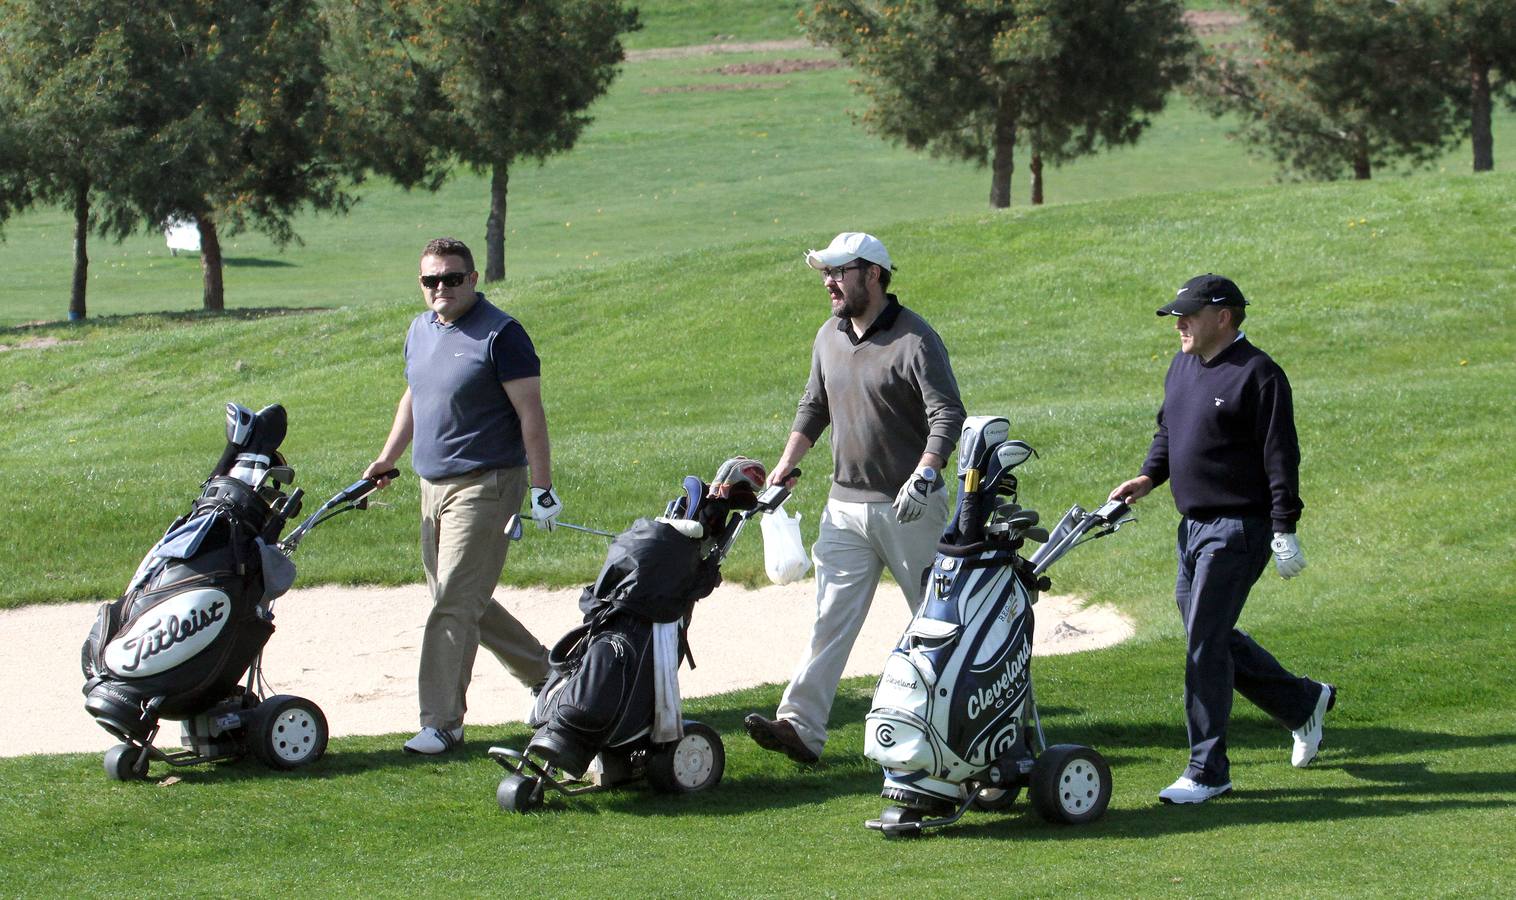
661, 170
684, 341
1387, 302
1394, 330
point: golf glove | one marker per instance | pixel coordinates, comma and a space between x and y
910, 503
545, 507
1288, 558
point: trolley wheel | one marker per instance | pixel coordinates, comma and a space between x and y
1071, 784
994, 799
519, 793
693, 763
900, 815
121, 763
287, 732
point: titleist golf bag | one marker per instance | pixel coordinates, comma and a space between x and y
196, 615
612, 695
954, 720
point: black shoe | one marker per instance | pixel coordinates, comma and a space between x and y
778, 735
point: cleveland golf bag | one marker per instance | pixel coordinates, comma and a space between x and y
954, 721
196, 614
611, 705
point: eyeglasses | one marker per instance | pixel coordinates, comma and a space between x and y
840, 272
447, 279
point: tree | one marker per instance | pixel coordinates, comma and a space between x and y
1478, 40
493, 81
137, 113
74, 133
248, 136
962, 78
1335, 86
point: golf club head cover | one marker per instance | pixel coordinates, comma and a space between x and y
740, 470
1289, 559
545, 507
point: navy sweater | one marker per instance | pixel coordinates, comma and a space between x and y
1226, 437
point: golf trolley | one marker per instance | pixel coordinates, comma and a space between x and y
954, 720
185, 640
609, 713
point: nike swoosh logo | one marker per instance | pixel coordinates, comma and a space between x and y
455, 355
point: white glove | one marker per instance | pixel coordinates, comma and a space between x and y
545, 507
1288, 557
910, 503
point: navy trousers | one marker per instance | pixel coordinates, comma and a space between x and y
1219, 561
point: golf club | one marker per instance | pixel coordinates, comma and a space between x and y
513, 528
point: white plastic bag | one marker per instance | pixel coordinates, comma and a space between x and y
784, 556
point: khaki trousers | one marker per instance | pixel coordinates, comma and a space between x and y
463, 548
857, 542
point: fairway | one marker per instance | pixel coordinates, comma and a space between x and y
658, 269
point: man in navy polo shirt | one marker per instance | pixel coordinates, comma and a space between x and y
1226, 444
472, 413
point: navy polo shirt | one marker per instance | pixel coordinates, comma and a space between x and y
463, 419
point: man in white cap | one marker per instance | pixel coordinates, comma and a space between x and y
1226, 444
880, 379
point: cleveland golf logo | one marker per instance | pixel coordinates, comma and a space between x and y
997, 692
175, 630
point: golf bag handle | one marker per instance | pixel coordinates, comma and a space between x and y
354, 496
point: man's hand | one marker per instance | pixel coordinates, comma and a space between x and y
910, 503
545, 507
379, 467
1132, 490
1289, 559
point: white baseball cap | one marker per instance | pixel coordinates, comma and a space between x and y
845, 248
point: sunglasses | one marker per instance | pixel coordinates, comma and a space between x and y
447, 279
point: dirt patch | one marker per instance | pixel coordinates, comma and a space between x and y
713, 49
777, 67
1211, 21
354, 651
37, 343
721, 86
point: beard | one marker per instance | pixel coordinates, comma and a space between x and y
848, 305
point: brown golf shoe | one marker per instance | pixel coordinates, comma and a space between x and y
778, 735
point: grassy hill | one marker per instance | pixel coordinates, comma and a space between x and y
685, 153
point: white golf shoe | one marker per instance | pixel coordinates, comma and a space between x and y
1188, 790
430, 741
1308, 736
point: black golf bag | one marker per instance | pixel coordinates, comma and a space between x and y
197, 613
601, 689
610, 710
954, 717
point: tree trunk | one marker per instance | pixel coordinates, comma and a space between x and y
494, 226
210, 263
76, 308
1362, 169
1479, 126
1036, 178
1003, 162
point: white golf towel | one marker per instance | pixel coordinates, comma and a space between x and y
668, 717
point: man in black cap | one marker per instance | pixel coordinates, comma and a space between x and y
1226, 443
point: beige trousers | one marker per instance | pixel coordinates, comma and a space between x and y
463, 548
858, 542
